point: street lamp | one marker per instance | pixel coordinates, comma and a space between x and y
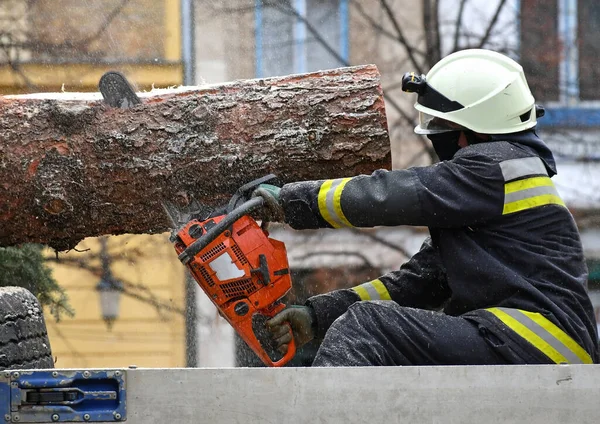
109, 288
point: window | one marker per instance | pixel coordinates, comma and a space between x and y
559, 52
297, 36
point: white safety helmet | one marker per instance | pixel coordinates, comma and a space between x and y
479, 90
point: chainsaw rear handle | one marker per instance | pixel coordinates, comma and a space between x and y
289, 355
244, 209
246, 332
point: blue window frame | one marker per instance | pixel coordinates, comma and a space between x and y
559, 51
300, 36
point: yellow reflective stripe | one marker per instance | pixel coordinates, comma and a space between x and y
563, 337
530, 193
329, 201
544, 335
337, 204
372, 290
530, 336
380, 287
532, 202
527, 183
322, 201
361, 292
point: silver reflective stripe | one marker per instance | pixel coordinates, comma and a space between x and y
516, 168
330, 204
543, 334
373, 293
530, 192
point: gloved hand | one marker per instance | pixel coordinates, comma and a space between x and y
272, 209
300, 318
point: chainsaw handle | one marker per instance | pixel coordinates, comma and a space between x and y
188, 254
291, 351
289, 355
244, 193
245, 330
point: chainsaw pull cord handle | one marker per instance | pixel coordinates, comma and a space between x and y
244, 209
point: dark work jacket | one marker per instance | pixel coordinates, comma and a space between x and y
500, 236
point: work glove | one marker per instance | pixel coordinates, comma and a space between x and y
302, 321
272, 210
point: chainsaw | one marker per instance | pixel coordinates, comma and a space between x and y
243, 271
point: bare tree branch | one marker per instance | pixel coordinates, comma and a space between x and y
14, 64
361, 11
337, 253
382, 241
436, 29
403, 114
67, 47
432, 32
286, 7
410, 50
107, 21
492, 23
461, 10
409, 121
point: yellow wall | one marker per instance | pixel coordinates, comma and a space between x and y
142, 335
143, 41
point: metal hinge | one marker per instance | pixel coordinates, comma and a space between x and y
63, 396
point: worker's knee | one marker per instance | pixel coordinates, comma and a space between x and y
362, 336
381, 320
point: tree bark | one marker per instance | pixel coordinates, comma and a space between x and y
71, 167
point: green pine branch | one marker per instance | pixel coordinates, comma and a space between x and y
24, 266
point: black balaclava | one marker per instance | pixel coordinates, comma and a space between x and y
445, 144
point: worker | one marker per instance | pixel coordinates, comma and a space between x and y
502, 278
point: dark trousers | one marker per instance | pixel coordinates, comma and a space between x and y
386, 334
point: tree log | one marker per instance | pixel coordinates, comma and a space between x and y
72, 167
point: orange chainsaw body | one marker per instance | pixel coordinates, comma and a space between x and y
243, 272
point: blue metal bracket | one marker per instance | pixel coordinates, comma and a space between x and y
63, 396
